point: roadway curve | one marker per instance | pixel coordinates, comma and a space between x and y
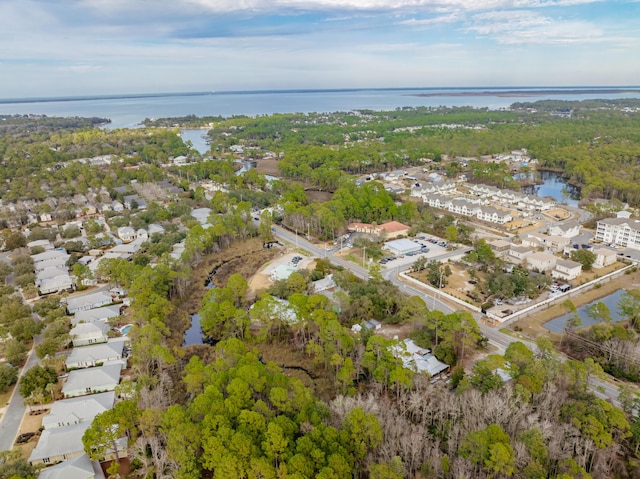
602, 389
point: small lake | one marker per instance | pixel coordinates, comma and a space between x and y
553, 186
198, 139
557, 325
193, 335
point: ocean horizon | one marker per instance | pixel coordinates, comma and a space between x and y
546, 89
130, 110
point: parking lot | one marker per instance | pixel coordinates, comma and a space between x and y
433, 245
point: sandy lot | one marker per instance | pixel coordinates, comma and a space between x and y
261, 280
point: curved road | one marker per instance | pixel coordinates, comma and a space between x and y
603, 389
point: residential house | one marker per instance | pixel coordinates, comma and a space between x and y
43, 243
494, 215
67, 412
568, 229
96, 315
517, 254
134, 202
80, 467
418, 359
541, 261
619, 231
604, 257
127, 234
82, 382
323, 284
373, 324
566, 270
59, 444
55, 284
499, 247
84, 334
87, 301
117, 206
98, 354
550, 243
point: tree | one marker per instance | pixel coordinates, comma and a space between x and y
491, 449
585, 257
35, 380
451, 234
599, 312
82, 273
13, 466
629, 306
15, 240
8, 376
101, 439
15, 351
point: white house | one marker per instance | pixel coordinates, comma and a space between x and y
117, 206
82, 382
604, 257
94, 315
84, 334
494, 215
517, 254
67, 412
127, 234
87, 301
568, 229
91, 356
541, 261
59, 444
61, 282
80, 467
566, 270
550, 243
43, 243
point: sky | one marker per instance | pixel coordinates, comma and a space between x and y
94, 47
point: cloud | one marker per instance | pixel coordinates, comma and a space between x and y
526, 26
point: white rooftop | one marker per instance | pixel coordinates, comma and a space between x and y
79, 409
97, 352
97, 314
82, 379
80, 467
60, 441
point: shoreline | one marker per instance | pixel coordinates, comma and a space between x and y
524, 93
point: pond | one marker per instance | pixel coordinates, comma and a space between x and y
553, 186
557, 325
198, 139
193, 335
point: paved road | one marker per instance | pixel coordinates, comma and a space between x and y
603, 389
12, 417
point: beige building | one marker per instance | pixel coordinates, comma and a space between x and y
541, 261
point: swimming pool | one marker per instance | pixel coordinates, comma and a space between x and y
125, 329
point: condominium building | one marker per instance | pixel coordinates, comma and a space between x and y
619, 231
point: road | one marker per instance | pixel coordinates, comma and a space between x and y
602, 389
12, 417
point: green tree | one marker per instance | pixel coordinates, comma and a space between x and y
8, 376
36, 379
101, 439
585, 257
491, 449
629, 306
15, 351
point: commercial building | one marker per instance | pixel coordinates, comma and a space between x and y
402, 246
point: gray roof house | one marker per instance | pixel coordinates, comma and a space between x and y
418, 359
84, 334
80, 467
90, 356
59, 444
98, 314
88, 301
82, 382
68, 412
